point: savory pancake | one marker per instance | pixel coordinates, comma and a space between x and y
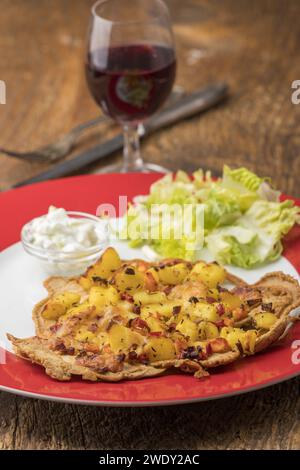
134, 319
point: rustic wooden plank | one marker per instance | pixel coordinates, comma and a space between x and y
266, 419
255, 47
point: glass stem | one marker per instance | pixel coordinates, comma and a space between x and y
132, 152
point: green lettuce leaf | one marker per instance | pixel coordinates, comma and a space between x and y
256, 236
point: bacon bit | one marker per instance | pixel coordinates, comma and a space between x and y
106, 349
132, 356
59, 346
191, 353
176, 310
210, 300
136, 309
143, 358
224, 322
156, 333
220, 309
167, 290
120, 357
253, 302
93, 348
267, 307
180, 345
172, 327
139, 325
126, 296
55, 328
93, 327
239, 313
217, 345
63, 349
228, 321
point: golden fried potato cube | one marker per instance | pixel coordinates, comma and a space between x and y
105, 266
204, 311
154, 324
145, 298
52, 310
210, 274
122, 338
172, 275
265, 320
246, 339
208, 330
129, 279
219, 345
85, 283
188, 328
103, 295
59, 304
82, 308
160, 349
230, 301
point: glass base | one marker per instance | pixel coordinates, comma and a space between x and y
144, 168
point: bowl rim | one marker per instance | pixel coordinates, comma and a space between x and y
46, 253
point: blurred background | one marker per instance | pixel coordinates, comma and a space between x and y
254, 46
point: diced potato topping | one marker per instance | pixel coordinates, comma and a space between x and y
265, 320
122, 338
208, 330
173, 275
210, 274
128, 279
101, 296
230, 301
188, 328
59, 304
160, 349
235, 336
105, 266
166, 309
145, 298
204, 311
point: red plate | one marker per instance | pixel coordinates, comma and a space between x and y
85, 193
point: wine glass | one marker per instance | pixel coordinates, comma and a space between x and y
130, 68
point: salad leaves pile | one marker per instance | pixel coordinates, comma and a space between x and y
244, 220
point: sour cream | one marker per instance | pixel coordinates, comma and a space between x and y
59, 232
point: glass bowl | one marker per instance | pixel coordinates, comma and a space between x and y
66, 263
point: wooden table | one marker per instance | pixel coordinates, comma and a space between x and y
252, 45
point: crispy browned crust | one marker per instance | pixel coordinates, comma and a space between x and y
54, 285
219, 359
281, 290
235, 280
284, 290
62, 367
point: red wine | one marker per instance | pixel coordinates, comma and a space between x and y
131, 82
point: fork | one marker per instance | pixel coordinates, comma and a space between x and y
57, 150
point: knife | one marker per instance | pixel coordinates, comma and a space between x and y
184, 108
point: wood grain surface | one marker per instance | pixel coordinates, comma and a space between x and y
252, 45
